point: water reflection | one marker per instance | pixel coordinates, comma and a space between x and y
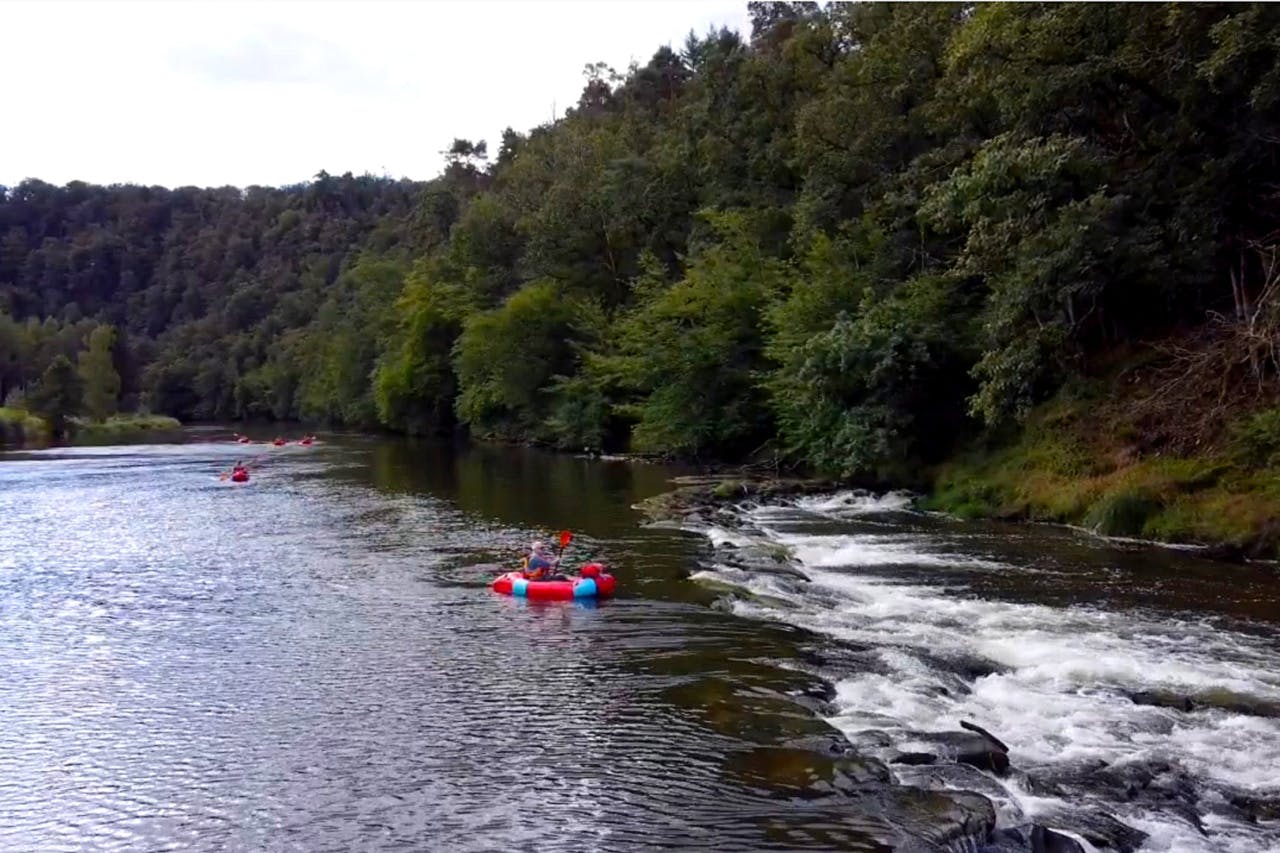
315, 660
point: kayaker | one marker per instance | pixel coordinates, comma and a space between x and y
540, 565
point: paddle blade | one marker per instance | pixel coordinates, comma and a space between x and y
565, 538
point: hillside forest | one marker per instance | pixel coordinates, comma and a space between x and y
882, 242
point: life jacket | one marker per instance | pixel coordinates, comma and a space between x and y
538, 573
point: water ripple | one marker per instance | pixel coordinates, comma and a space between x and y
312, 662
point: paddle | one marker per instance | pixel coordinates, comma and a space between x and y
565, 538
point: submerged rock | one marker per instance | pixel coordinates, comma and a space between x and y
758, 715
786, 771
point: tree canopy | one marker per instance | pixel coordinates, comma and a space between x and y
856, 236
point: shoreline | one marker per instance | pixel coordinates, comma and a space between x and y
33, 431
705, 495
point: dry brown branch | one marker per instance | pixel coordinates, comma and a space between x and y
1229, 366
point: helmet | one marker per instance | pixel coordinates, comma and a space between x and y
538, 546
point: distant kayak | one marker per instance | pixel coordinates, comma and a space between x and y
240, 476
591, 582
279, 442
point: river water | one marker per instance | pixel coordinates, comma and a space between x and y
313, 661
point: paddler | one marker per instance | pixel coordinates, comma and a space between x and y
540, 565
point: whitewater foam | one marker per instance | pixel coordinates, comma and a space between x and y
1056, 683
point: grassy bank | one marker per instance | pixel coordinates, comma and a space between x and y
18, 426
1079, 462
123, 426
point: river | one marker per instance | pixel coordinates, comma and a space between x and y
313, 661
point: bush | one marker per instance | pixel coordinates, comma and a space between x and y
1255, 443
18, 426
1121, 514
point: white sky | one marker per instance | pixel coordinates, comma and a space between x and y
215, 93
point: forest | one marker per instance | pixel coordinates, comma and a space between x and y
860, 240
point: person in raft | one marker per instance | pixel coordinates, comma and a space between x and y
539, 565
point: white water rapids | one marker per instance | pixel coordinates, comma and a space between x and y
956, 625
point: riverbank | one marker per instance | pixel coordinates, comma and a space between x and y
122, 426
1084, 462
1098, 457
19, 427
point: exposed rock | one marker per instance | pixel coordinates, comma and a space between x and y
871, 739
1217, 700
913, 758
995, 741
1031, 837
962, 777
817, 706
819, 690
1162, 699
977, 750
1100, 829
1257, 809
705, 493
954, 820
844, 657
833, 744
763, 560
1153, 784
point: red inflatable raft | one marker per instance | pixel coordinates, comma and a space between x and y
240, 476
592, 582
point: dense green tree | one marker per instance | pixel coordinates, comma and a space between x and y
415, 383
505, 359
689, 352
15, 345
857, 234
59, 395
98, 376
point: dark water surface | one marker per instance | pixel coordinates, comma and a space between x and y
313, 661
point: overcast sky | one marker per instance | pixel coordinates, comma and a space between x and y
215, 93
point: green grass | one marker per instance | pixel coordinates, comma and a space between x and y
18, 426
1064, 467
121, 425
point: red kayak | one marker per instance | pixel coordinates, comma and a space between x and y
279, 442
240, 476
592, 582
